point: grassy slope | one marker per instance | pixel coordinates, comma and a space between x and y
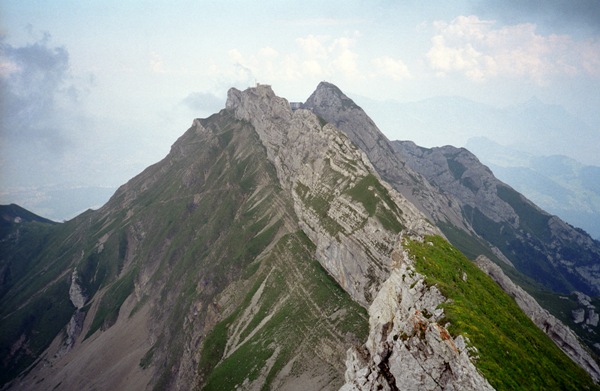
513, 352
306, 310
191, 244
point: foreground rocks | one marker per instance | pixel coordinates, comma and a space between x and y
407, 348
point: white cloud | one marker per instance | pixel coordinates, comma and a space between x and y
312, 67
345, 59
480, 50
318, 56
157, 64
235, 55
313, 46
268, 52
392, 68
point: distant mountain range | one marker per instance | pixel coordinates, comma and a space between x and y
558, 184
59, 203
535, 127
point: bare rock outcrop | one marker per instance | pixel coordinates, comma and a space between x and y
330, 103
78, 299
320, 166
561, 334
407, 348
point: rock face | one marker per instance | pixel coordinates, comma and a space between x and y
407, 348
76, 323
539, 245
554, 328
75, 292
586, 313
334, 106
341, 204
464, 198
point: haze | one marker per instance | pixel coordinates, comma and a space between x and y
93, 92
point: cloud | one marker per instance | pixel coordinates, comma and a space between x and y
481, 51
242, 67
268, 52
313, 46
556, 14
42, 120
203, 101
392, 68
37, 92
157, 64
345, 60
314, 56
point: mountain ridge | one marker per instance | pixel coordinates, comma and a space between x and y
558, 184
245, 259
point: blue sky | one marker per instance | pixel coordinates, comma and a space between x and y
95, 91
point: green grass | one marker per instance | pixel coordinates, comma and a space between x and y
111, 302
377, 202
40, 321
532, 220
513, 352
297, 322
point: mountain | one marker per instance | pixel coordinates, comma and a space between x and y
533, 126
478, 213
558, 184
265, 251
14, 214
483, 205
17, 226
538, 244
59, 202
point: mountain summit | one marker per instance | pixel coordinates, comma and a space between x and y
270, 250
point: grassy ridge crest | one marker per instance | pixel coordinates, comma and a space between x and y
513, 352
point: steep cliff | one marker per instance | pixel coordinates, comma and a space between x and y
352, 217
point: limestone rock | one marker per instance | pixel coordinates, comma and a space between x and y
319, 165
407, 348
593, 318
335, 107
578, 315
75, 292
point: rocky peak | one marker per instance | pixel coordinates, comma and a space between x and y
334, 106
330, 180
330, 103
329, 95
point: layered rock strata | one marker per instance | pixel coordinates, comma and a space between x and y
320, 166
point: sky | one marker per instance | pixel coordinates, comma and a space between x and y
93, 92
